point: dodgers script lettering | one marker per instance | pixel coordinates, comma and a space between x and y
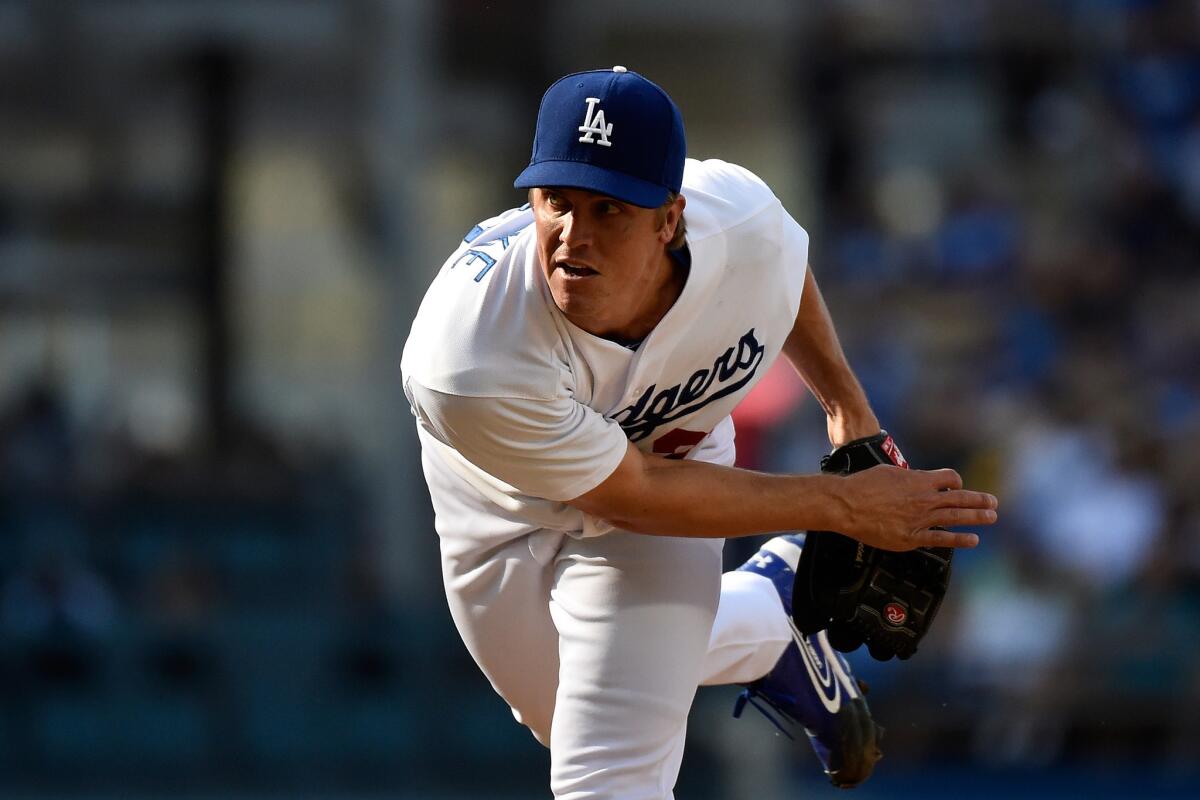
731, 370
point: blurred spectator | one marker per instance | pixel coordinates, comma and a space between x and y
1086, 516
37, 448
57, 595
60, 613
181, 600
1013, 632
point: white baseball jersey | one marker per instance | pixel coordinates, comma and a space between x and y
528, 411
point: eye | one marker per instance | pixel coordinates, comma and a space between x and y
608, 208
554, 200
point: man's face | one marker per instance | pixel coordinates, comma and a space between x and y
605, 260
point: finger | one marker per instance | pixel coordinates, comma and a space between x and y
962, 498
936, 538
962, 516
945, 478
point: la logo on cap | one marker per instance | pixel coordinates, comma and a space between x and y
573, 142
594, 124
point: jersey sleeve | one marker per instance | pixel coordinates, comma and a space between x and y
554, 449
795, 257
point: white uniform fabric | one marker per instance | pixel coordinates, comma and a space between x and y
598, 637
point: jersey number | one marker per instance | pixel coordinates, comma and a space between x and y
677, 443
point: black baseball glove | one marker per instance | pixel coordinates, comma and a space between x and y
861, 594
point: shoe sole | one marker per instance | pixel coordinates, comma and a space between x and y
858, 737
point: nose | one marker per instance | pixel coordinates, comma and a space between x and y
575, 230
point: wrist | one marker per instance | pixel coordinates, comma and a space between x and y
833, 511
847, 425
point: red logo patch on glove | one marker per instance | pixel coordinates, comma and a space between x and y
895, 613
893, 452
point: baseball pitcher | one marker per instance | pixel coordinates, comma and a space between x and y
572, 370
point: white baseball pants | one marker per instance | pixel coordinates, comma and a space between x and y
598, 644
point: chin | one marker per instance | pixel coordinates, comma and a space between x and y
579, 308
570, 304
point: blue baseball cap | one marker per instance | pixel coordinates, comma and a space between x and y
610, 131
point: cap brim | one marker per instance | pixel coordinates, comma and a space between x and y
578, 175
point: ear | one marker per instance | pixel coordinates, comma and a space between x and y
671, 220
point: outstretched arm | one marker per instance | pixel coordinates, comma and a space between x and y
886, 507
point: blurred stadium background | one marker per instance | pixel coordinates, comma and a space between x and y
218, 575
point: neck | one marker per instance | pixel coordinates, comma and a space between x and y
658, 302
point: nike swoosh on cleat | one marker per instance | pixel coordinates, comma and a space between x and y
821, 675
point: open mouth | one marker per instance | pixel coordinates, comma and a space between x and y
576, 271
